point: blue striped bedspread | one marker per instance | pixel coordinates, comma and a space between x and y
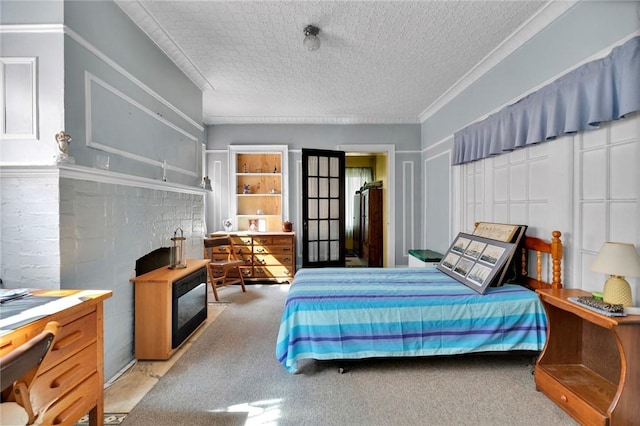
354, 313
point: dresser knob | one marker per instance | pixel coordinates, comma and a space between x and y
564, 398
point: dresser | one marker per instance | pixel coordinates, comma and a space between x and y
72, 375
589, 365
371, 226
267, 256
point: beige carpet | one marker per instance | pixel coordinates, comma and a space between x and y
230, 377
128, 388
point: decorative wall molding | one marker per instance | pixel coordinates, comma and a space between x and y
59, 28
25, 102
90, 142
94, 50
408, 198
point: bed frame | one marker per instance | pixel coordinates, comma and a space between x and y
539, 248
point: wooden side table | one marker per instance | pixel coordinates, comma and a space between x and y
589, 365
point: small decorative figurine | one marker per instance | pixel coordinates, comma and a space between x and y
245, 188
253, 225
63, 141
227, 224
275, 169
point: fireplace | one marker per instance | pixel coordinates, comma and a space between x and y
188, 295
189, 304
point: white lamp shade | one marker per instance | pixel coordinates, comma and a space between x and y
619, 259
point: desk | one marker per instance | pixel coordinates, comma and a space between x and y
73, 373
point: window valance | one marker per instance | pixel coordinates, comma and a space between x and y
599, 91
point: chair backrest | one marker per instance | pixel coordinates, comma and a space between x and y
20, 367
211, 244
26, 358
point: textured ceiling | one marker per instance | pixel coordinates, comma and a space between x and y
379, 62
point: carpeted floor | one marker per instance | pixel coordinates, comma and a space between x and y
230, 376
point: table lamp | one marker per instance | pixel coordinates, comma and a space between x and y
619, 260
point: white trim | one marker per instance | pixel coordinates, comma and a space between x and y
262, 119
33, 63
390, 151
90, 78
96, 175
104, 176
411, 203
31, 28
440, 142
29, 172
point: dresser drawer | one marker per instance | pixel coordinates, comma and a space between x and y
272, 249
73, 336
267, 272
283, 241
241, 241
273, 259
262, 240
74, 404
579, 409
64, 376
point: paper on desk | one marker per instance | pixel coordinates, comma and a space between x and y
42, 310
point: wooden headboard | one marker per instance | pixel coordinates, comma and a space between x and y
541, 249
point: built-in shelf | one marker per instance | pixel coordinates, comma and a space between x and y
260, 186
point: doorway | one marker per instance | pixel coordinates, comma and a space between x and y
384, 161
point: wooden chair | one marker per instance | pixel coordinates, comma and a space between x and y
18, 369
223, 259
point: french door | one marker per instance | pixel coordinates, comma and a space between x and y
323, 208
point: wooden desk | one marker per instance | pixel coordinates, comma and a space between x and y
589, 365
73, 374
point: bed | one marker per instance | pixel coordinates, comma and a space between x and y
357, 313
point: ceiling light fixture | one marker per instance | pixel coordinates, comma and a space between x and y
311, 39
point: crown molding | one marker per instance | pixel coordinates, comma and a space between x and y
545, 16
213, 120
152, 28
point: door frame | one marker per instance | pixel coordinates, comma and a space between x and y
390, 226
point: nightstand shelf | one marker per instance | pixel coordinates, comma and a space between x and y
588, 365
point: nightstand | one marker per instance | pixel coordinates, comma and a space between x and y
589, 365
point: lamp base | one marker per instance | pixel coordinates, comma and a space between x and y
617, 290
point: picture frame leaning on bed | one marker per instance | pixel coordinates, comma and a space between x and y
475, 261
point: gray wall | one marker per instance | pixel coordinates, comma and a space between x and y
583, 31
405, 137
84, 225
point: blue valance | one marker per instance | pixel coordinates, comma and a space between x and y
599, 91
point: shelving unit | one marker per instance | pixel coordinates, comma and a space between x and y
260, 187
